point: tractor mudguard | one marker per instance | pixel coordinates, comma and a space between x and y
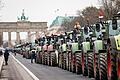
64, 48
74, 47
98, 45
86, 46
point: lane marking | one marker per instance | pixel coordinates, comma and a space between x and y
28, 71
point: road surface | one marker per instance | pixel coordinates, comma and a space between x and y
14, 71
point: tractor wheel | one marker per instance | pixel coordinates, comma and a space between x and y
53, 59
103, 65
70, 61
43, 58
90, 64
78, 63
113, 66
73, 63
40, 57
84, 64
48, 59
60, 60
67, 61
64, 60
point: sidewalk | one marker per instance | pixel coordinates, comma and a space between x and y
14, 71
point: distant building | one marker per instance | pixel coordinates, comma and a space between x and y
60, 20
22, 25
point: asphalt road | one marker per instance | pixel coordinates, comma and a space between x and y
44, 72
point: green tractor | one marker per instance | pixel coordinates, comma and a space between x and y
39, 52
44, 53
110, 62
85, 49
60, 51
76, 53
52, 57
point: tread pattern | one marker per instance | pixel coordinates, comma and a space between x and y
90, 65
78, 63
103, 66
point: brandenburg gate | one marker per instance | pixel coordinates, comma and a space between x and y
22, 25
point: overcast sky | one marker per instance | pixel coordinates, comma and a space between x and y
42, 10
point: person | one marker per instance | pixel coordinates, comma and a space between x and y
33, 55
6, 56
77, 26
1, 52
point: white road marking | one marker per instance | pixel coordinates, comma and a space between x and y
29, 72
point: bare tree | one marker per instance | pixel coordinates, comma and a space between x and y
110, 7
90, 13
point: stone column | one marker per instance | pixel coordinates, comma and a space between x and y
9, 39
37, 35
29, 36
1, 38
18, 37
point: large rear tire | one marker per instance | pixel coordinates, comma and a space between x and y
90, 64
73, 63
113, 65
53, 59
64, 61
46, 58
78, 62
84, 64
67, 60
49, 59
43, 58
103, 65
40, 56
70, 61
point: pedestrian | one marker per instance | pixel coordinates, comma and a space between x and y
33, 55
1, 52
6, 56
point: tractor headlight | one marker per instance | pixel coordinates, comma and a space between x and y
91, 33
103, 30
94, 38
